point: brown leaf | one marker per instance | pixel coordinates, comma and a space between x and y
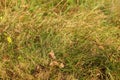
61, 65
101, 47
54, 63
52, 55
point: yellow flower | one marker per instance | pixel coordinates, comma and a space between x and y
9, 39
1, 17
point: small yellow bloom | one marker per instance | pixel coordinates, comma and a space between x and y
1, 17
9, 39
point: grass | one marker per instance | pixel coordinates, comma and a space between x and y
84, 35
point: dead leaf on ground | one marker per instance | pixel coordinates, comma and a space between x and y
52, 55
101, 47
54, 63
61, 65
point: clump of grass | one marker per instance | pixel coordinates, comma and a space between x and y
115, 11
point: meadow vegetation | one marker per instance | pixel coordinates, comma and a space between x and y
81, 36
